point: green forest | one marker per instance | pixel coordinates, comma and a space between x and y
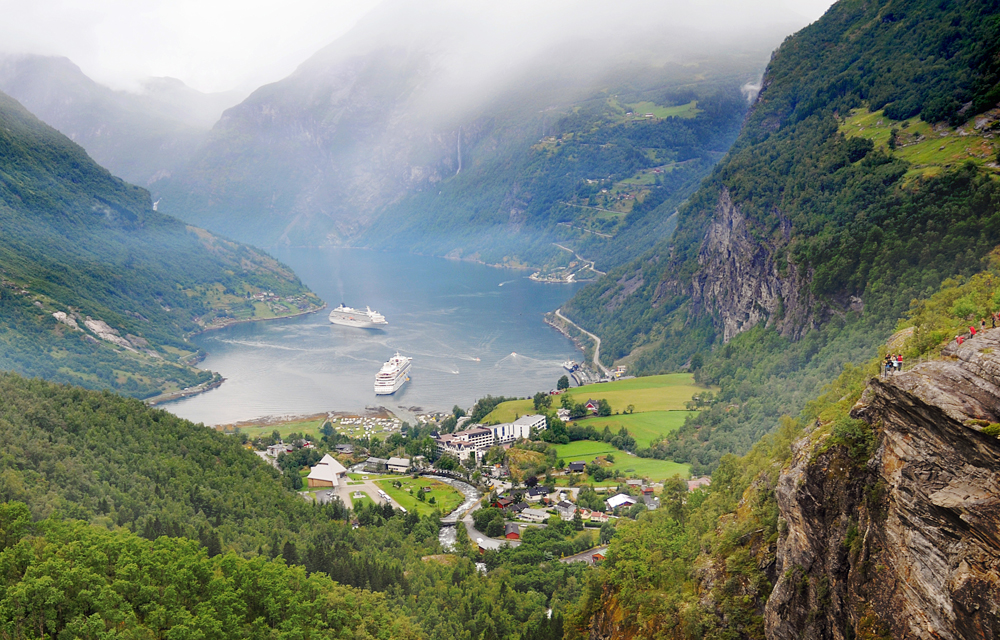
135, 502
821, 203
77, 241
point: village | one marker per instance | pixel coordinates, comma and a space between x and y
497, 480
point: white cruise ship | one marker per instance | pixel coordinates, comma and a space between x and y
392, 375
349, 317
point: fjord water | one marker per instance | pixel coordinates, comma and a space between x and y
443, 313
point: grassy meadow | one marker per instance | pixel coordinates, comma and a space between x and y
587, 450
668, 392
645, 427
931, 148
445, 496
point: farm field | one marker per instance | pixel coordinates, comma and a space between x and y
628, 464
446, 497
688, 110
666, 392
308, 427
644, 427
929, 147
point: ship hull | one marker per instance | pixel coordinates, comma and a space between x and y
353, 321
385, 386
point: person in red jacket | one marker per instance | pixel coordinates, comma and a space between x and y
972, 332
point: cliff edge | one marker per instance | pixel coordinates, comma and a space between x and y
904, 542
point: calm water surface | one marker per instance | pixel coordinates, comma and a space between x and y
461, 323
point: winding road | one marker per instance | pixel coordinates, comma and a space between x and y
597, 343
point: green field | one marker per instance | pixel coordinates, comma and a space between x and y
644, 427
667, 392
587, 450
688, 110
445, 496
308, 427
931, 148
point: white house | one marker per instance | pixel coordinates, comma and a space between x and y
527, 423
534, 515
328, 472
619, 500
398, 465
475, 441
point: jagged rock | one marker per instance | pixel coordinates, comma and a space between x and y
743, 280
105, 332
909, 544
66, 320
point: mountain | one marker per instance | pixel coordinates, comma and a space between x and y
141, 137
872, 514
436, 130
864, 176
100, 290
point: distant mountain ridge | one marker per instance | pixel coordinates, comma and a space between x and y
140, 137
353, 146
100, 290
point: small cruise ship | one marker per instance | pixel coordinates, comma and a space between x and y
350, 317
392, 375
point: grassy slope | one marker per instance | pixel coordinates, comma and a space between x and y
644, 427
446, 497
667, 392
930, 148
75, 239
587, 450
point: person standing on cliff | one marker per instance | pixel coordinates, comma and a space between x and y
972, 332
899, 362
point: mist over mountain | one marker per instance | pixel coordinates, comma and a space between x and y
100, 290
415, 100
141, 137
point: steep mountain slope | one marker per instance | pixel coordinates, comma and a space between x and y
100, 290
873, 514
140, 137
904, 542
434, 129
808, 241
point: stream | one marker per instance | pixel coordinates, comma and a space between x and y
472, 495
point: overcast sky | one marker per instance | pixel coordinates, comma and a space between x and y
212, 45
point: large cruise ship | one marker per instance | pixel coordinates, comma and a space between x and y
349, 317
392, 375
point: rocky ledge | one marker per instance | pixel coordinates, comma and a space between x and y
905, 544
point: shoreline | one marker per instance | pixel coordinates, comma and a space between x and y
164, 398
235, 322
217, 378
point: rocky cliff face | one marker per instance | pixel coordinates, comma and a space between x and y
740, 280
907, 543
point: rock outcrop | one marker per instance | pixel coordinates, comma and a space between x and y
739, 278
905, 543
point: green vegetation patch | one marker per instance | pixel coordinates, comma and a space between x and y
669, 392
689, 110
307, 427
446, 498
645, 427
628, 464
930, 147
